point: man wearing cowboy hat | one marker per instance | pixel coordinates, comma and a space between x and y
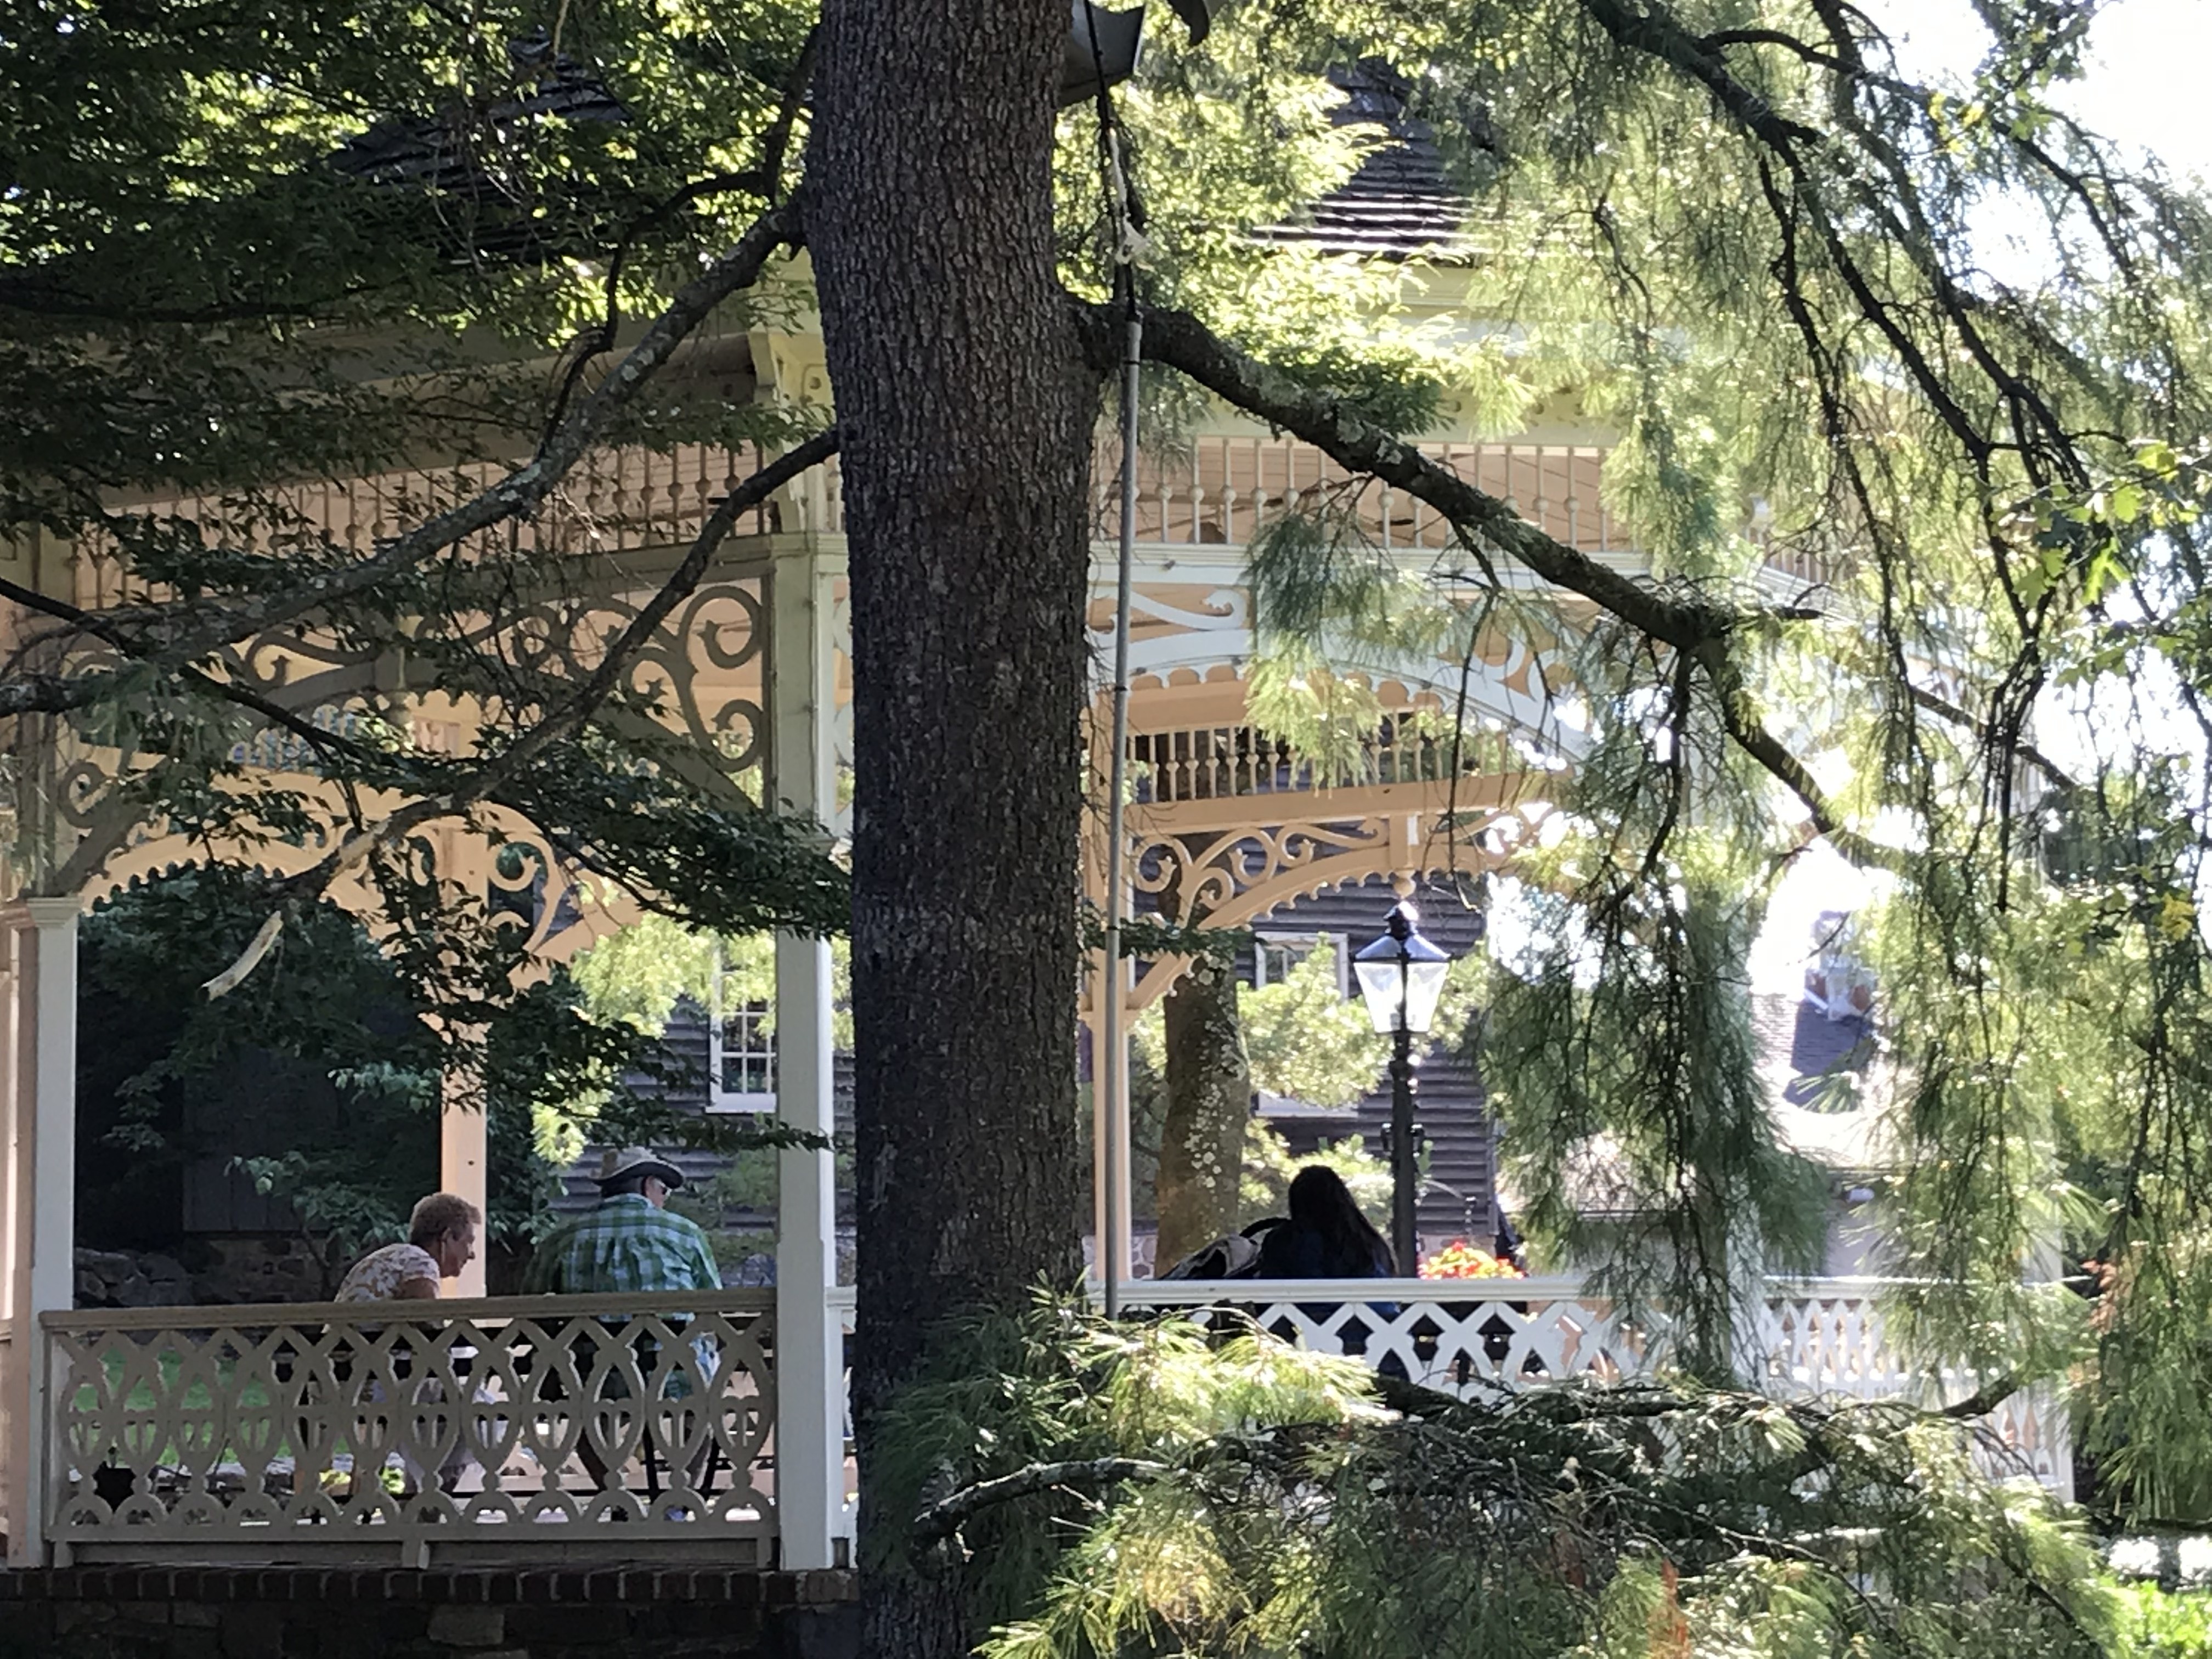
629, 1242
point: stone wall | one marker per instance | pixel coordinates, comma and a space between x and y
94, 1613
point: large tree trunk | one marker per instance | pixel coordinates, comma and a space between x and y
1209, 1102
966, 415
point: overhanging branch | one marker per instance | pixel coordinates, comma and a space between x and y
1184, 344
1698, 630
503, 768
945, 1517
195, 633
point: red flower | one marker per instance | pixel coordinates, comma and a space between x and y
1461, 1260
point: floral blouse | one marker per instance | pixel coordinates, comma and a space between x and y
378, 1276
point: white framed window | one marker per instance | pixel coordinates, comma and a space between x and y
740, 1052
1275, 954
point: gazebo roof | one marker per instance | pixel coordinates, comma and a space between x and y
1399, 205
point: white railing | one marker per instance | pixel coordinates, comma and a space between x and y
1224, 490
502, 1427
1207, 491
643, 1427
848, 1499
613, 501
1820, 1338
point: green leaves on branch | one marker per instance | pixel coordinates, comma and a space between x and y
1219, 1492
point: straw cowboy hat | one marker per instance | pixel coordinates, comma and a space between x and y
624, 1164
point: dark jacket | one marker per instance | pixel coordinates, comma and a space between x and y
1291, 1251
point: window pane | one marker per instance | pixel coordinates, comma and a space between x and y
748, 1051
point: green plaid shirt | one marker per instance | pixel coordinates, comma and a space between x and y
624, 1245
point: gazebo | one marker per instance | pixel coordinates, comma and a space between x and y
309, 1432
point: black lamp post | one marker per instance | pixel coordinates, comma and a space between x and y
1402, 975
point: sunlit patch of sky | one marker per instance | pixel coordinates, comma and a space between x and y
2144, 84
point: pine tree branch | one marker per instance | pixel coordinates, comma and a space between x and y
1323, 419
1983, 1399
199, 632
2037, 436
1945, 710
1697, 629
946, 1516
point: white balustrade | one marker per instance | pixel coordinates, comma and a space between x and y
1207, 491
1492, 1333
613, 501
1823, 1338
632, 1427
503, 1426
1225, 491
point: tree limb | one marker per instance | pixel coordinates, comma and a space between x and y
1983, 1399
103, 629
944, 1518
503, 768
516, 496
1699, 630
1944, 708
1323, 419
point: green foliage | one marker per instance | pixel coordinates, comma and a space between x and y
1635, 1120
335, 1008
638, 974
1273, 1504
1731, 234
159, 1063
1309, 1040
2167, 1624
1305, 1040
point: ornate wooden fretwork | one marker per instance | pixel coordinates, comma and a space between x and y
86, 824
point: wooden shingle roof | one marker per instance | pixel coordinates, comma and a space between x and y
1399, 205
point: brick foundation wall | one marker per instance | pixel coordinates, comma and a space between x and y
103, 1613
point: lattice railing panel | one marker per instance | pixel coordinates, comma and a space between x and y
1824, 1339
1541, 1332
301, 1425
1833, 1340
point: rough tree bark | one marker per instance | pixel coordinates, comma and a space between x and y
1209, 1102
966, 412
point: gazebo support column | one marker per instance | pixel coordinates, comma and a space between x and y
810, 1343
41, 1170
463, 1153
1094, 1037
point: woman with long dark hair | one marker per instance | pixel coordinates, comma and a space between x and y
1326, 1237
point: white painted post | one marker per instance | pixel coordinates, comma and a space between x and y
17, 940
45, 1199
463, 1149
1101, 1120
2047, 1265
810, 1345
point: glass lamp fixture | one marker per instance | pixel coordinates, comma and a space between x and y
1402, 975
